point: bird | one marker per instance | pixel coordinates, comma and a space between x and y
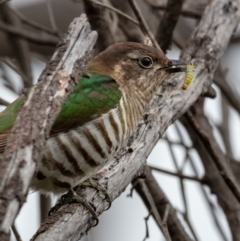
99, 115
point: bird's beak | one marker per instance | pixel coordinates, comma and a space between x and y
175, 66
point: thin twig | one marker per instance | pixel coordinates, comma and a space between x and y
182, 187
212, 152
166, 213
146, 224
51, 17
115, 10
3, 102
187, 11
168, 23
221, 81
153, 210
32, 23
10, 64
224, 126
16, 233
44, 205
176, 230
179, 143
143, 23
210, 204
179, 175
19, 45
42, 39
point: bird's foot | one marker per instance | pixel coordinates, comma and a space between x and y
94, 184
72, 197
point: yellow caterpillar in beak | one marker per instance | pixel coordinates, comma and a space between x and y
189, 76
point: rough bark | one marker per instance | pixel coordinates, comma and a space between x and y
204, 49
27, 138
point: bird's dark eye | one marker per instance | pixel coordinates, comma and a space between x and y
145, 62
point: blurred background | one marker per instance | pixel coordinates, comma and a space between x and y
176, 156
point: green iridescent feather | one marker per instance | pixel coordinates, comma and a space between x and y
91, 98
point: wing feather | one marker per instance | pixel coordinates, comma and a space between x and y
91, 98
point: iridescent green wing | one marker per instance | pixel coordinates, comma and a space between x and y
7, 118
91, 98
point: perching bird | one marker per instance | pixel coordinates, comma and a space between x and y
99, 115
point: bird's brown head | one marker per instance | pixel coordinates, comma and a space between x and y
135, 66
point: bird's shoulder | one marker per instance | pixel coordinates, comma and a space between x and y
93, 96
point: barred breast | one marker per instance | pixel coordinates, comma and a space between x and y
71, 158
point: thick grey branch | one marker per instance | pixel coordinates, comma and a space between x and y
205, 49
27, 138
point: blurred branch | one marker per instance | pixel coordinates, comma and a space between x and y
10, 64
210, 146
213, 177
143, 23
152, 207
174, 226
115, 10
210, 205
168, 23
26, 141
99, 18
223, 84
16, 233
51, 18
168, 105
182, 188
176, 174
31, 23
20, 45
3, 102
42, 39
45, 205
224, 126
128, 26
3, 1
147, 229
190, 8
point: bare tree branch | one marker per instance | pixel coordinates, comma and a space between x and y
31, 23
16, 233
213, 177
176, 230
133, 33
168, 23
42, 39
45, 205
10, 64
27, 138
20, 46
143, 23
99, 18
221, 81
3, 102
51, 18
190, 8
179, 175
211, 36
212, 149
